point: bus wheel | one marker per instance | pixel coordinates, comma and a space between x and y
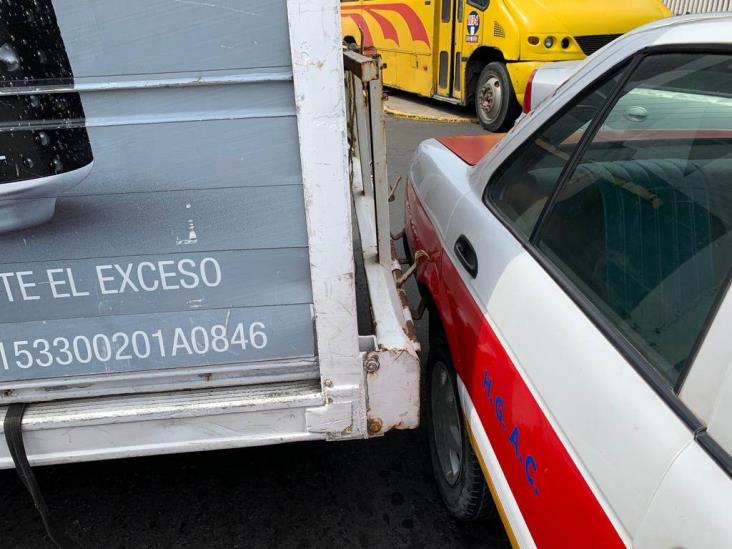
495, 100
455, 466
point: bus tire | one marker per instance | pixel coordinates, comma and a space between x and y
495, 100
455, 466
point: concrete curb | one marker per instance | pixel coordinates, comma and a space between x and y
410, 107
444, 118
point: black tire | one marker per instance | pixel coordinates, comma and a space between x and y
465, 494
495, 99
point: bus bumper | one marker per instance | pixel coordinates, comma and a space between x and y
520, 72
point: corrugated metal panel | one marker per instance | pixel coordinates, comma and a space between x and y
698, 6
177, 122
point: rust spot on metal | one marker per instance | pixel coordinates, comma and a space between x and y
365, 68
375, 425
410, 330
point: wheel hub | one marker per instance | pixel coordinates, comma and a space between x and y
490, 99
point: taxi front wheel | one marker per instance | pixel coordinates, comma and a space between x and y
455, 466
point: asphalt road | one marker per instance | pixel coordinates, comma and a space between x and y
376, 493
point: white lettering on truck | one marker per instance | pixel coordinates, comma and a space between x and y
167, 274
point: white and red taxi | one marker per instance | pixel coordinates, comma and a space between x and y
578, 274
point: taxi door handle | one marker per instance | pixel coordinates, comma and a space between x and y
466, 255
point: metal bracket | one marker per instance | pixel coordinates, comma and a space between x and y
331, 418
365, 68
397, 236
421, 308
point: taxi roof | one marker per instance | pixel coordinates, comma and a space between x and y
708, 28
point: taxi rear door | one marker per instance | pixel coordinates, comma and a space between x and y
691, 507
586, 304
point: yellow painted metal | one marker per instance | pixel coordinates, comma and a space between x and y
411, 34
520, 73
404, 34
349, 26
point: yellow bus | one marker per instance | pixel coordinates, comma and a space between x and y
483, 52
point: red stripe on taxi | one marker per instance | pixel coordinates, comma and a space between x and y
556, 501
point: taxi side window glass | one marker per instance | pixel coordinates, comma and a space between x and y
643, 226
521, 187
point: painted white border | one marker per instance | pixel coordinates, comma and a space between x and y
317, 67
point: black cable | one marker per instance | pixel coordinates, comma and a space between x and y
14, 438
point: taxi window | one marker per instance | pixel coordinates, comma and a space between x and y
520, 189
643, 225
